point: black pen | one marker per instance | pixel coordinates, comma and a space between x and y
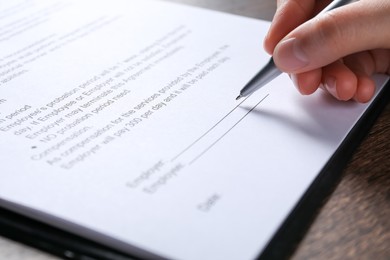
270, 71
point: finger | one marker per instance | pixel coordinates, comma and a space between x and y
339, 80
326, 38
381, 58
364, 64
370, 62
288, 15
307, 82
365, 89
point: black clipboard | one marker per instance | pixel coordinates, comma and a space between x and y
69, 246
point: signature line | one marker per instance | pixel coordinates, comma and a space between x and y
208, 131
216, 141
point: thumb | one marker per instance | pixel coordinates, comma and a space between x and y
363, 25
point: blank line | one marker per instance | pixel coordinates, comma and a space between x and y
216, 141
208, 131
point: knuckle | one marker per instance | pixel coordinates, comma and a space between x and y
332, 32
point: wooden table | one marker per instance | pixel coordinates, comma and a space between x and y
355, 221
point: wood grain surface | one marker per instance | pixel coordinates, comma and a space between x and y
355, 221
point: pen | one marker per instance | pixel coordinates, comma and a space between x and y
270, 71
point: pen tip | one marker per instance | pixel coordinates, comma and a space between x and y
239, 96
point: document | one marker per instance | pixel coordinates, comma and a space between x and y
118, 122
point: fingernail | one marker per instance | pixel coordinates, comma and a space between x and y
290, 56
330, 85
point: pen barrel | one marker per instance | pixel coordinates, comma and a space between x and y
334, 5
268, 73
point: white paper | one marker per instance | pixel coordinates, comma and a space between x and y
118, 122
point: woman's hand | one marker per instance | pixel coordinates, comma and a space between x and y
338, 51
